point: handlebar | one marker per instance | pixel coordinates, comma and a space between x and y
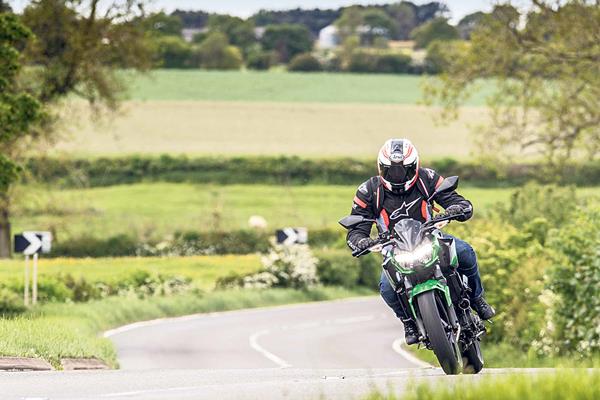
386, 237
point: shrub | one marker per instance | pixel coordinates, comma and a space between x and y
285, 267
305, 62
173, 52
361, 61
573, 320
216, 53
260, 60
10, 302
392, 64
338, 268
116, 246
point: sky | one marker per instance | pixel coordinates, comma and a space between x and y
245, 8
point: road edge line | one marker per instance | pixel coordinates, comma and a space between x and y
397, 347
253, 341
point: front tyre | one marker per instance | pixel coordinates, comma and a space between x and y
439, 339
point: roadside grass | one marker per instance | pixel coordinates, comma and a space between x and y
281, 87
159, 209
504, 355
55, 331
263, 128
565, 384
203, 270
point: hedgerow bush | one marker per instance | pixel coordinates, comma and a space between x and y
85, 172
538, 257
573, 318
284, 266
66, 288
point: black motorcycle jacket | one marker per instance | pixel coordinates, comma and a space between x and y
374, 200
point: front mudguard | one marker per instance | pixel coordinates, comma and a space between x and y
427, 286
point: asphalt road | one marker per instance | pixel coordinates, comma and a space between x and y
334, 350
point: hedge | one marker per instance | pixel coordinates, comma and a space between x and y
186, 244
80, 172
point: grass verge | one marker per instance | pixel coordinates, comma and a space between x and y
564, 385
55, 331
504, 355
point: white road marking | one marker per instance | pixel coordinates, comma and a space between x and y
397, 346
253, 340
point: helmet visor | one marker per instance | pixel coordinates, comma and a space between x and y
398, 174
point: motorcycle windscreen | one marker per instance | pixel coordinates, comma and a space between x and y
408, 232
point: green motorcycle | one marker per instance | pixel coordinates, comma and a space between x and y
421, 264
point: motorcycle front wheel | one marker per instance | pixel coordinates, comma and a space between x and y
441, 341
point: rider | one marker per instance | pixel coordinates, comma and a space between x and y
400, 191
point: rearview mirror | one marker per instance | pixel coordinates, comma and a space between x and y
352, 220
448, 184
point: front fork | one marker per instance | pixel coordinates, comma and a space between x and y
408, 293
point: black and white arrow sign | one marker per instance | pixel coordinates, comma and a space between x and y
288, 236
30, 243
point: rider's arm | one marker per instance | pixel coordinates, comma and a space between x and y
447, 199
361, 205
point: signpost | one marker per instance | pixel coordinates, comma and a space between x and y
289, 236
32, 244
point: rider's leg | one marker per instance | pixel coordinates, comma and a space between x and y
467, 265
390, 297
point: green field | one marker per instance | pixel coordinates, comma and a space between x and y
253, 86
158, 209
234, 113
203, 270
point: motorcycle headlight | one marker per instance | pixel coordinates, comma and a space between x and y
421, 255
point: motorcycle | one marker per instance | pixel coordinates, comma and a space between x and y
421, 264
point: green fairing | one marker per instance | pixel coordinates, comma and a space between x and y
426, 287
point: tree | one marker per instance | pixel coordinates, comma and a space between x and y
4, 7
436, 29
349, 22
216, 53
162, 24
239, 32
80, 44
429, 11
546, 69
287, 40
468, 24
19, 113
404, 14
377, 24
173, 52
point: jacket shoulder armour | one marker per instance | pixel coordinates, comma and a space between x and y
431, 179
365, 192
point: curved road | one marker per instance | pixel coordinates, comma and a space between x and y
356, 333
332, 350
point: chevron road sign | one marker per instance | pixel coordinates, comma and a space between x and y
32, 244
288, 236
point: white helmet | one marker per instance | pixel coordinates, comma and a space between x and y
398, 164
